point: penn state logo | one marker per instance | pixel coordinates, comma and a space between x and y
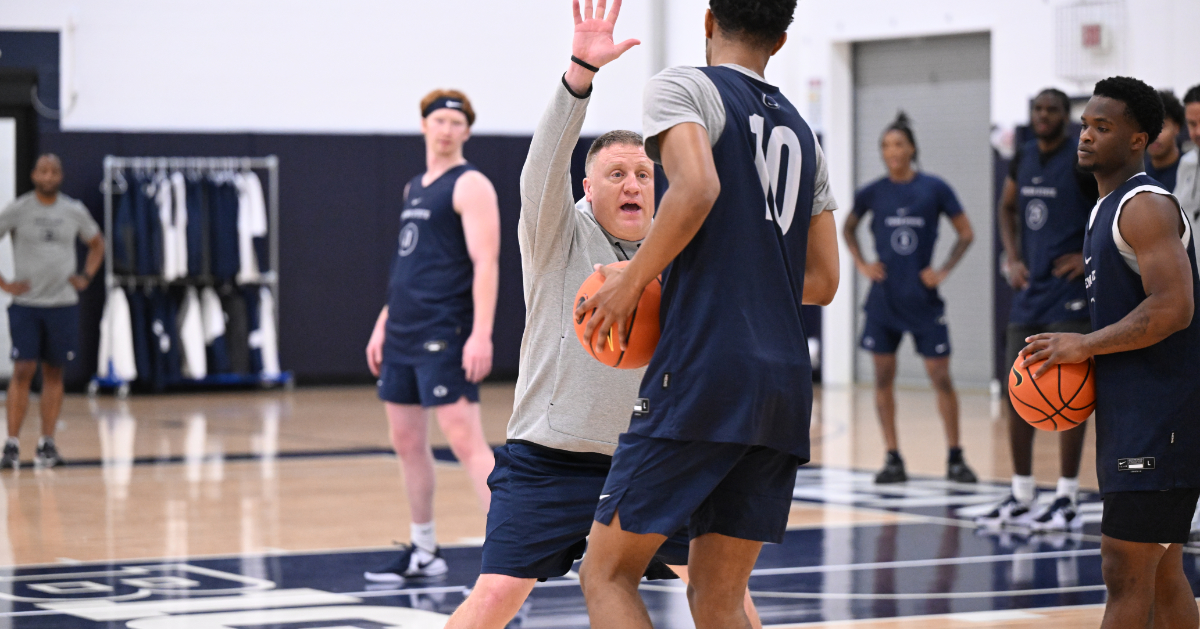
435, 346
904, 241
1075, 305
770, 102
440, 391
1036, 214
408, 239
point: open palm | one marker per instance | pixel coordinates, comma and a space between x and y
593, 40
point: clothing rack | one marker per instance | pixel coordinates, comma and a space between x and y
270, 279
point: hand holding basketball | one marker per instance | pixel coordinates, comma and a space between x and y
593, 41
611, 307
1054, 349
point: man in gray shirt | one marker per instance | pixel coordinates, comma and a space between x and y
44, 316
569, 407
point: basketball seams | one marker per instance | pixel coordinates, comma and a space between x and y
1037, 388
1057, 411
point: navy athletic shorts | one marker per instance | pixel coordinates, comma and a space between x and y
430, 384
932, 340
662, 485
541, 513
46, 334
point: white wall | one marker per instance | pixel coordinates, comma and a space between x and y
358, 66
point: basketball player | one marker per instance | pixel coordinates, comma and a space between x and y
569, 407
1187, 192
723, 418
1043, 211
1162, 156
432, 343
1142, 290
906, 206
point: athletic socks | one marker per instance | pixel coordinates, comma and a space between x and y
1024, 488
41, 440
13, 441
1068, 488
423, 536
955, 455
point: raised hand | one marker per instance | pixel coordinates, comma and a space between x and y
593, 41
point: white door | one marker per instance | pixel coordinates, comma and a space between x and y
8, 191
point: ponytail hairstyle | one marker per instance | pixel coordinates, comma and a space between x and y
902, 124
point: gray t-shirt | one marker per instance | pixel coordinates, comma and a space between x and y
43, 238
685, 94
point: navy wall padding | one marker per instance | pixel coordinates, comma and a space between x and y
339, 196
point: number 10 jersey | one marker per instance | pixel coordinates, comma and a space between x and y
732, 365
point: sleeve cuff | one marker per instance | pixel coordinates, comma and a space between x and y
572, 92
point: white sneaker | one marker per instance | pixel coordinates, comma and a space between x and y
412, 563
1059, 516
1010, 511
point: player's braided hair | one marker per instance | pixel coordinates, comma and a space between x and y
904, 126
761, 22
1142, 103
1172, 107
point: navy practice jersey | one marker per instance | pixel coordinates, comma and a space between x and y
732, 365
430, 306
1147, 433
905, 226
1053, 214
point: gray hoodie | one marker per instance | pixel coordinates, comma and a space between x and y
565, 399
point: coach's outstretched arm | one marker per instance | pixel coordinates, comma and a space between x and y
1152, 225
547, 205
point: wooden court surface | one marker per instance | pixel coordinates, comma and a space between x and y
194, 475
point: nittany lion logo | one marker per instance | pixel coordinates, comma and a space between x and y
408, 239
904, 240
1036, 214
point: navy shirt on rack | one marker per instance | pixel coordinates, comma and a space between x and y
223, 228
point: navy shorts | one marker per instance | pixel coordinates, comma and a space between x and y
1125, 515
541, 513
50, 335
430, 384
932, 340
662, 485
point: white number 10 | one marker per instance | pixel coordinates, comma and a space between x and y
768, 170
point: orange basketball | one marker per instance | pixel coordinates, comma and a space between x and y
1061, 399
643, 325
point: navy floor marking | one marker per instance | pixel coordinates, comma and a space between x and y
441, 455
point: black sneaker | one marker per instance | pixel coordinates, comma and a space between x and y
47, 455
960, 473
412, 563
893, 470
12, 456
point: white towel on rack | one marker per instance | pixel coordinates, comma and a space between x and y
179, 223
163, 197
267, 333
117, 360
252, 223
191, 336
212, 315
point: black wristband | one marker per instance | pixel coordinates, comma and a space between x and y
583, 64
572, 92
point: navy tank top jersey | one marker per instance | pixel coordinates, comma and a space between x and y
430, 307
732, 365
1147, 433
904, 224
1054, 214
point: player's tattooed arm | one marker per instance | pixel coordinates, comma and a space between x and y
1152, 225
966, 235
